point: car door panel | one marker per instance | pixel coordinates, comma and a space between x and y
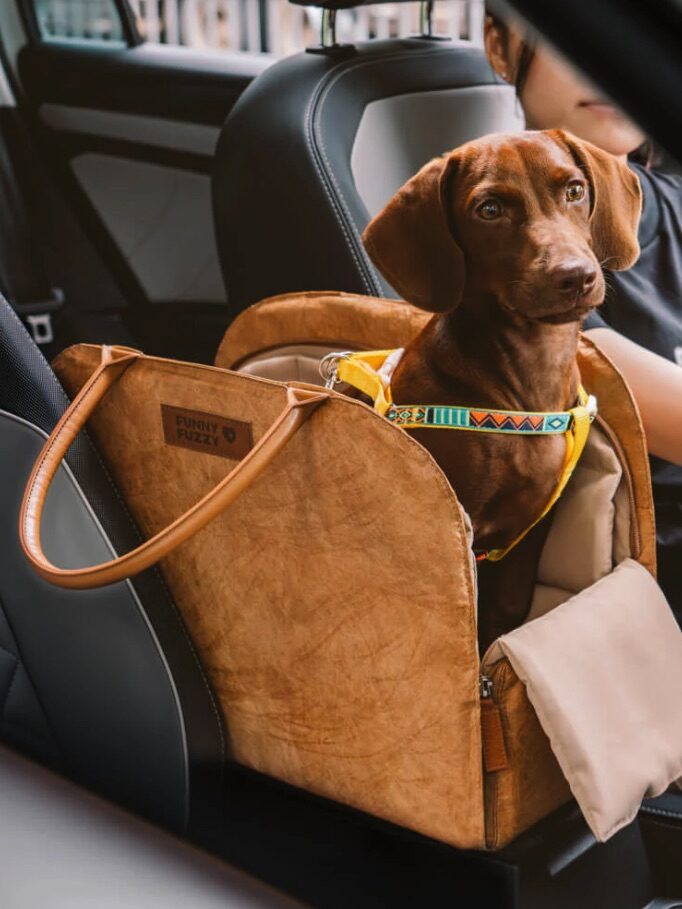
134, 129
160, 218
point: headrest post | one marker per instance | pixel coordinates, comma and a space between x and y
426, 18
328, 28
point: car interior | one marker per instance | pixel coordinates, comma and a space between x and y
149, 195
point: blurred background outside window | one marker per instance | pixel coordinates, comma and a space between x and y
256, 26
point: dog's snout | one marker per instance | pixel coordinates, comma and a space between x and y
574, 278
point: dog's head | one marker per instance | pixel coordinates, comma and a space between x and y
527, 218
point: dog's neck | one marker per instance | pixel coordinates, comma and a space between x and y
501, 359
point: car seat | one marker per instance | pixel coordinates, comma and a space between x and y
102, 685
319, 142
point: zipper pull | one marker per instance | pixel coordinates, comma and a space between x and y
492, 733
486, 686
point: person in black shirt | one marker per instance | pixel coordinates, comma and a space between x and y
639, 325
645, 305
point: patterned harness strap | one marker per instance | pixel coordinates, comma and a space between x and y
362, 371
413, 416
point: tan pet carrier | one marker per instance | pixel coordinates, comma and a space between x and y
327, 579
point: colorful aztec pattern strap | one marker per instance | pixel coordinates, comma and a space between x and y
361, 370
414, 416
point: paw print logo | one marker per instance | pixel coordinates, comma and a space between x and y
229, 434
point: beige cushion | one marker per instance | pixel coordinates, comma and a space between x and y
604, 674
293, 363
590, 527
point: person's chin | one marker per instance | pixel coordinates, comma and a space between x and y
606, 127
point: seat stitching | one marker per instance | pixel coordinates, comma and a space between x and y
209, 690
158, 575
9, 653
3, 705
173, 605
93, 449
169, 599
322, 92
52, 377
323, 98
328, 193
665, 812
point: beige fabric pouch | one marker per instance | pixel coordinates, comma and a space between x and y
604, 674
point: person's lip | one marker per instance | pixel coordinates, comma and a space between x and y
601, 106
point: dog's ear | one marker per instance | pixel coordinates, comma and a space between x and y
615, 205
411, 244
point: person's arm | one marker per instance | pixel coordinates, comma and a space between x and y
656, 384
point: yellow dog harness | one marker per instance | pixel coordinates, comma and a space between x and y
361, 370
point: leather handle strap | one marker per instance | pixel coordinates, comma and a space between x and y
300, 403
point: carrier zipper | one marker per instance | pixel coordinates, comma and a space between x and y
492, 733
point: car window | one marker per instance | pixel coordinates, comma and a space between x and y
95, 20
276, 27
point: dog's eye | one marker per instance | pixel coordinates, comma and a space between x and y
575, 192
489, 210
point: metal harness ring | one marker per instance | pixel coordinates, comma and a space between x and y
329, 367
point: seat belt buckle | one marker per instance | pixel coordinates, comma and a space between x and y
38, 316
40, 328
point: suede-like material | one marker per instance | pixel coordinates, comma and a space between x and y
343, 655
534, 785
618, 413
339, 320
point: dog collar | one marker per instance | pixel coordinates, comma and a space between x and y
362, 371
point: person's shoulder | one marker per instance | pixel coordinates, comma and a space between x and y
661, 182
662, 208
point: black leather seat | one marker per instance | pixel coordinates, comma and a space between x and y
102, 685
320, 141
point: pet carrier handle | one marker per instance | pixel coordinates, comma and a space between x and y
300, 404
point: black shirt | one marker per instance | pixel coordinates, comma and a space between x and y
645, 305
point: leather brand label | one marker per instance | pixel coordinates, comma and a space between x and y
206, 432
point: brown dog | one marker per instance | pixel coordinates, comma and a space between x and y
504, 239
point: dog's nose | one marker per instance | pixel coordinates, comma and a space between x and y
576, 278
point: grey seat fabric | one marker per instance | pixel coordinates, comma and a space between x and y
102, 685
319, 142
